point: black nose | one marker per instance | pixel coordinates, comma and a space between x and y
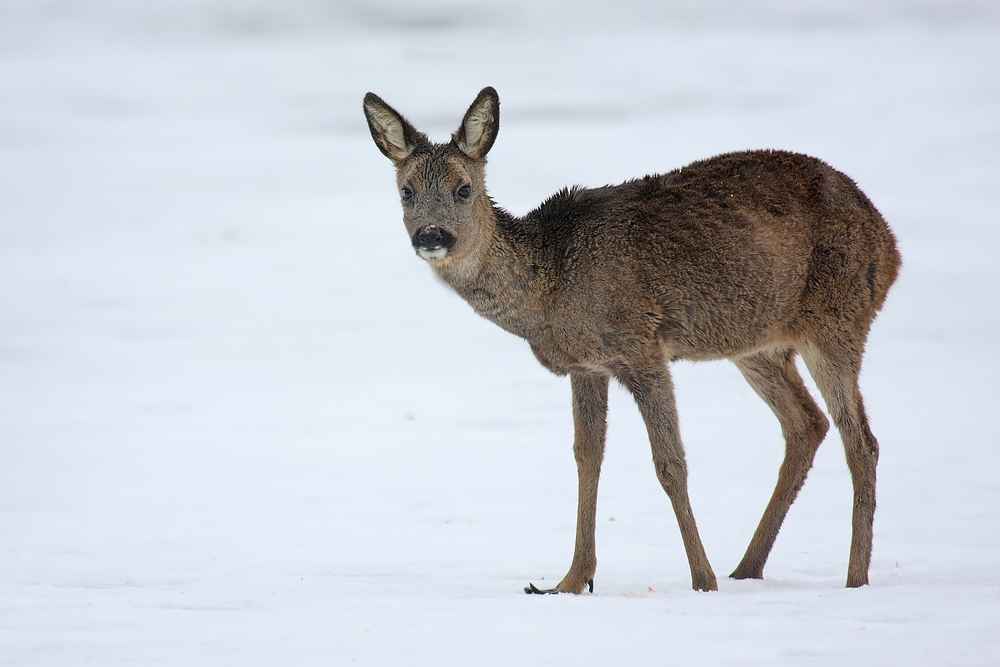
432, 237
429, 237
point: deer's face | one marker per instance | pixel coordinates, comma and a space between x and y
442, 186
443, 196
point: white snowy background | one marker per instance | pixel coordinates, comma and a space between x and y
241, 423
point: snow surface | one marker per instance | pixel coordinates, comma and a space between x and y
241, 424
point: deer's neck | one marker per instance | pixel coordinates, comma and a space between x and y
504, 277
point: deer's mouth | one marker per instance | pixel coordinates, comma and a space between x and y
433, 243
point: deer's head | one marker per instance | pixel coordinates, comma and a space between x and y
442, 187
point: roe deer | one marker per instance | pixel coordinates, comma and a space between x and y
751, 256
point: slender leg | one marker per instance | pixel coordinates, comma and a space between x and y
653, 390
774, 377
590, 410
835, 369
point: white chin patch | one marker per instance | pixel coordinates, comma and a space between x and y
432, 255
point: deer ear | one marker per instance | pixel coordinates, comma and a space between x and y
392, 133
479, 128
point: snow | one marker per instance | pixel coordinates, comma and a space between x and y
242, 424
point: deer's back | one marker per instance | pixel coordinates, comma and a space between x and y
727, 255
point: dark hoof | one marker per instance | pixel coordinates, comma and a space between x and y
705, 584
531, 589
739, 574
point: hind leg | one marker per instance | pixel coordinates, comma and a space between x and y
835, 367
775, 379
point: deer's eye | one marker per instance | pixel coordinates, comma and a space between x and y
464, 191
407, 193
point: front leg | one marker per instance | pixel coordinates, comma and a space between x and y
590, 411
651, 385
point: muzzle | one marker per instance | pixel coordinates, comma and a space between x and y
433, 243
